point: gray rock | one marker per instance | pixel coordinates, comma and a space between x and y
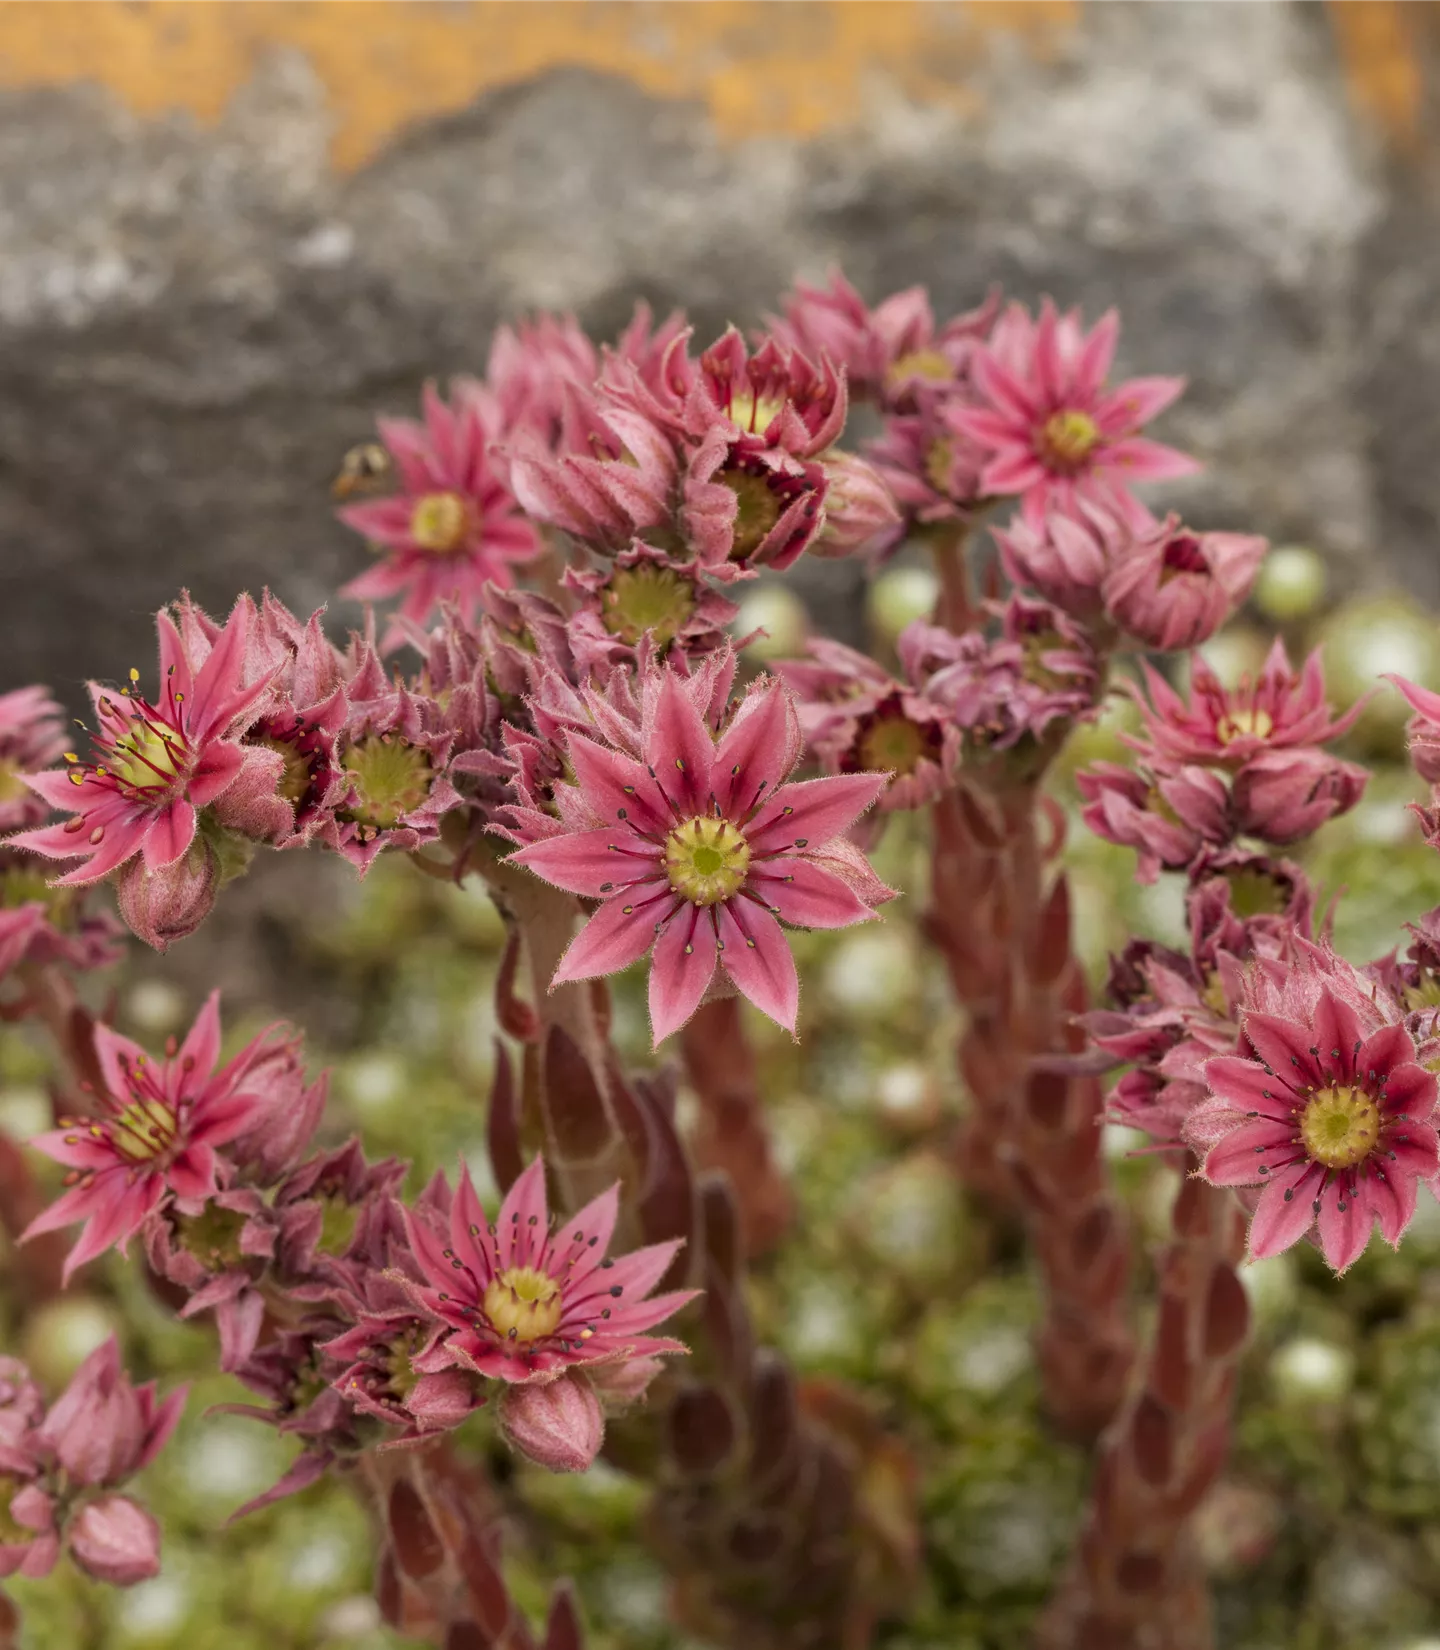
197, 323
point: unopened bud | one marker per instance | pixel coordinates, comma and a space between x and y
558, 1425
116, 1540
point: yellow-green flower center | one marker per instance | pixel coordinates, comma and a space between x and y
147, 756
939, 462
1254, 894
11, 787
1340, 1126
757, 510
754, 412
213, 1236
523, 1304
12, 1532
1424, 994
404, 1377
295, 775
392, 778
440, 522
338, 1220
1068, 438
144, 1130
891, 744
1213, 995
920, 363
25, 884
706, 860
644, 598
1244, 724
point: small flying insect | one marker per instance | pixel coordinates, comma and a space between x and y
364, 469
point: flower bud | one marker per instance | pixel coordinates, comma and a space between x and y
28, 1542
443, 1400
1173, 588
289, 1111
32, 734
860, 513
116, 1540
1423, 729
103, 1428
1167, 819
621, 1385
558, 1425
1065, 561
166, 905
1283, 796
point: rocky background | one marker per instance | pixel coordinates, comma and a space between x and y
197, 319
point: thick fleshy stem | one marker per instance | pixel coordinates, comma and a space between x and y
566, 1107
1032, 1140
438, 1573
954, 605
38, 1266
1136, 1583
731, 1134
759, 1509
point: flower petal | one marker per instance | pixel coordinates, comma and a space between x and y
619, 933
756, 955
1136, 402
800, 892
171, 832
1393, 1201
1337, 1036
628, 1281
583, 1238
757, 751
1145, 460
593, 863
1345, 1221
201, 1048
1247, 1086
618, 788
1285, 1048
679, 749
681, 970
470, 1230
813, 810
522, 1225
1236, 1160
215, 772
1384, 1050
1284, 1213
1409, 1090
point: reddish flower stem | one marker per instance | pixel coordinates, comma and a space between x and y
1136, 1582
731, 1135
438, 1574
1032, 1139
760, 1510
954, 606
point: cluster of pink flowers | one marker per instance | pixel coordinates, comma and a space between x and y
1226, 764
207, 1164
992, 404
600, 739
1285, 1071
62, 1465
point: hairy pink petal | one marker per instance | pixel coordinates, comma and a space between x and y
757, 957
681, 971
1280, 1222
620, 933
